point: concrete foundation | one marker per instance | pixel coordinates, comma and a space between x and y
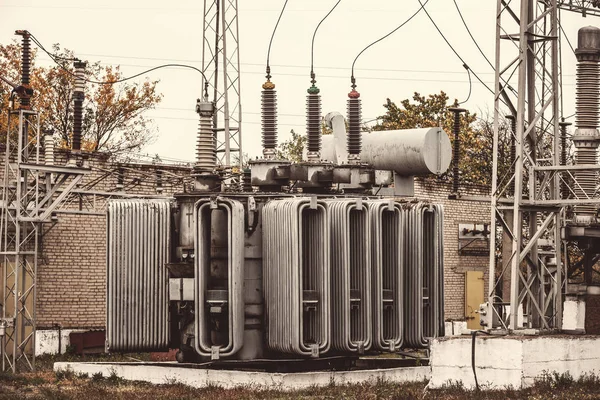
574, 315
180, 373
501, 362
455, 328
47, 340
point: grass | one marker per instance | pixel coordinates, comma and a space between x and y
46, 384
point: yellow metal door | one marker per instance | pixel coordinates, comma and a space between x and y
474, 295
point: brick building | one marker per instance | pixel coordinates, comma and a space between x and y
71, 290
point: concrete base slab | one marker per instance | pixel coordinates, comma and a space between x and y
47, 341
163, 373
515, 361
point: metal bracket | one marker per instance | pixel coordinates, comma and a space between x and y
215, 352
313, 202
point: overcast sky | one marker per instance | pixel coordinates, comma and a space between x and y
141, 34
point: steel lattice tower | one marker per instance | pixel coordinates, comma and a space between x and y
221, 66
31, 191
530, 220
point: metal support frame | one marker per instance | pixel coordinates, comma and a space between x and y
585, 7
31, 191
528, 49
221, 66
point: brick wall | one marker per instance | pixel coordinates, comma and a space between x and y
455, 265
71, 288
72, 267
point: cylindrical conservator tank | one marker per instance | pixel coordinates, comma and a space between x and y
420, 151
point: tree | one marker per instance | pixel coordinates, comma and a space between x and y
113, 119
475, 134
293, 148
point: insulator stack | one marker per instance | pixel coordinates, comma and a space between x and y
588, 90
206, 152
313, 123
456, 150
354, 111
247, 180
513, 148
49, 147
564, 188
269, 119
586, 179
159, 182
25, 95
205, 157
78, 97
587, 138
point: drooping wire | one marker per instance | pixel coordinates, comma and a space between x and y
453, 50
312, 45
471, 35
385, 36
470, 85
67, 70
271, 41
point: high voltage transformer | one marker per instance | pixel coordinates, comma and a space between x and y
328, 256
251, 274
300, 259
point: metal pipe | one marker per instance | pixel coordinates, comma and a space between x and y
337, 123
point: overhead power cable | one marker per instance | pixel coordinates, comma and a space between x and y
454, 50
272, 36
471, 35
56, 58
312, 44
385, 36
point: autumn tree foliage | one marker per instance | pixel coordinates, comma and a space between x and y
292, 148
476, 134
113, 119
